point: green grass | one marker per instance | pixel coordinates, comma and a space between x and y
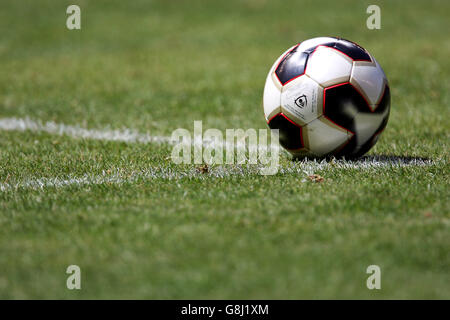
157, 66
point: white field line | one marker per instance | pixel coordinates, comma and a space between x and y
120, 176
123, 135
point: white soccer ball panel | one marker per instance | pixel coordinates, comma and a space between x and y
324, 137
370, 80
301, 100
271, 98
314, 42
329, 67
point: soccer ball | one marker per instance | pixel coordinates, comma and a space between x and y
328, 97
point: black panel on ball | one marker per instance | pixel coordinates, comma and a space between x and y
371, 141
352, 50
291, 66
340, 101
349, 48
385, 101
290, 134
347, 150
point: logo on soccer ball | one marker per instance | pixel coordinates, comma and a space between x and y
301, 101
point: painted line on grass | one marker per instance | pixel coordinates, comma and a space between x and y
300, 168
120, 176
123, 135
50, 127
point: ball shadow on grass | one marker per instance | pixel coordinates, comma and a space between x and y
377, 158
